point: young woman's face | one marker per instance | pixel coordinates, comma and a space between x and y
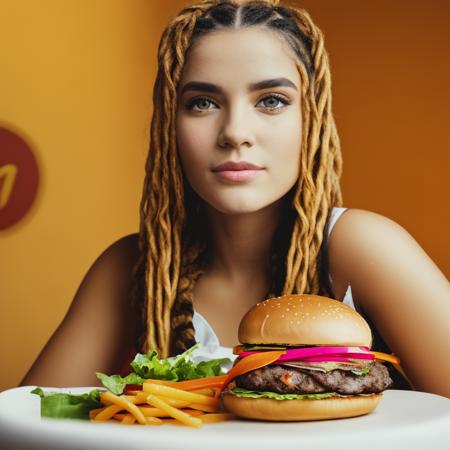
230, 119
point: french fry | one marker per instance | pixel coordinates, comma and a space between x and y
193, 412
138, 398
162, 382
179, 394
156, 412
128, 419
190, 403
94, 412
172, 422
205, 391
211, 418
150, 411
172, 401
204, 408
153, 421
108, 412
125, 404
186, 419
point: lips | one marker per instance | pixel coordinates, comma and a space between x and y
236, 166
237, 172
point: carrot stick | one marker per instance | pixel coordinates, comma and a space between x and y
200, 383
253, 362
386, 357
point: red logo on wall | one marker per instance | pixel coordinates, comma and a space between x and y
19, 178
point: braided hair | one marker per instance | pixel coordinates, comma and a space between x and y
172, 236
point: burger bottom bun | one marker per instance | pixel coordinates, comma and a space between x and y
297, 410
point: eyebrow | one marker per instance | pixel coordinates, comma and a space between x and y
209, 87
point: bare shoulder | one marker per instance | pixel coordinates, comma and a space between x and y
364, 243
98, 329
398, 285
357, 231
105, 290
353, 235
111, 271
362, 222
361, 239
126, 248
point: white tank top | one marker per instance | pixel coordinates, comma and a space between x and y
210, 347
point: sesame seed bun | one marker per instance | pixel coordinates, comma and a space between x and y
297, 320
297, 410
304, 320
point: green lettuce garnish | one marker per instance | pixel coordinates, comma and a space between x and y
175, 368
241, 392
116, 384
253, 347
63, 406
361, 372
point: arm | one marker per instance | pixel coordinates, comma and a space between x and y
402, 290
97, 331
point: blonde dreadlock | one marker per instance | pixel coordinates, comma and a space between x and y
173, 250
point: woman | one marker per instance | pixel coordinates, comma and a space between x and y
242, 201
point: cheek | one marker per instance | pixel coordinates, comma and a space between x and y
193, 141
286, 142
188, 138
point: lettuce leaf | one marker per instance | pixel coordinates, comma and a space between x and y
175, 368
361, 372
253, 347
63, 406
241, 392
116, 384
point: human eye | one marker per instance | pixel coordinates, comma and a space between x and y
196, 103
275, 100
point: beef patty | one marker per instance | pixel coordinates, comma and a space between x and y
292, 380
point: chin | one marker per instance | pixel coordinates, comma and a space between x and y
243, 210
234, 204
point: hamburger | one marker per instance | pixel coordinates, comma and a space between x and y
305, 357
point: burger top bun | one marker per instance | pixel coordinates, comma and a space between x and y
304, 320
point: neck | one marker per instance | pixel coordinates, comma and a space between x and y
241, 243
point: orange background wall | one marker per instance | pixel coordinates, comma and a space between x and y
76, 80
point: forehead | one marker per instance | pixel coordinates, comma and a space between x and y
240, 56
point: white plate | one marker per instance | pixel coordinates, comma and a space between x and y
403, 419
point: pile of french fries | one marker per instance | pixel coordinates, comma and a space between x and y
162, 402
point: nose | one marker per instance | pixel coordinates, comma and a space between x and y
236, 130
